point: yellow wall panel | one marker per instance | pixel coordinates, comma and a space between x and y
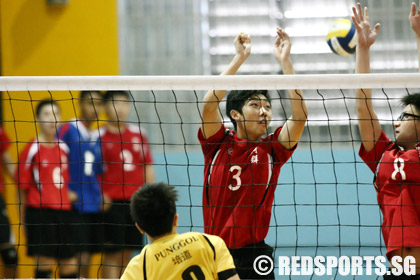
79, 38
36, 39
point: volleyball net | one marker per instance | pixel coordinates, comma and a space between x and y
325, 202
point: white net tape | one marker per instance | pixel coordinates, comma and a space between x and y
269, 82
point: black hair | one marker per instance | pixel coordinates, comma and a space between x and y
112, 95
88, 94
44, 103
412, 99
153, 208
236, 100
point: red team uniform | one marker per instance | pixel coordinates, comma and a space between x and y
125, 155
240, 178
43, 173
397, 183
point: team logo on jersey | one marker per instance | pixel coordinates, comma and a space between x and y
45, 163
230, 151
254, 157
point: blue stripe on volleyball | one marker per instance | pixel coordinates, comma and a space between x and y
331, 47
344, 42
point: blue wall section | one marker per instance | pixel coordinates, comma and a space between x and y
325, 203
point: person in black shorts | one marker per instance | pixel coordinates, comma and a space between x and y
128, 166
42, 177
82, 138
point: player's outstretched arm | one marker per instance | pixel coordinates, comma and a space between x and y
414, 18
369, 126
293, 128
211, 118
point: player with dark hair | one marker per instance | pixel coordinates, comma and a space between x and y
85, 164
127, 166
395, 164
42, 177
7, 241
242, 166
191, 255
237, 98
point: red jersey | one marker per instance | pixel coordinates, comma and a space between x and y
125, 156
397, 183
240, 178
4, 145
43, 172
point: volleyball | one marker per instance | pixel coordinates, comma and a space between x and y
342, 37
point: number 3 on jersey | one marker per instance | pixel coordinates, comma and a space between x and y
237, 170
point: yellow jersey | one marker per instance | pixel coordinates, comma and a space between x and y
188, 256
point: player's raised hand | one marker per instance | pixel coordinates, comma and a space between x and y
282, 46
365, 35
414, 18
242, 44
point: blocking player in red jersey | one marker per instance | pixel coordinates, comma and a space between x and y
395, 164
42, 177
242, 166
7, 244
127, 166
